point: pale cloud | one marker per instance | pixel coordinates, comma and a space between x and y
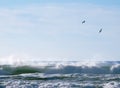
54, 18
70, 38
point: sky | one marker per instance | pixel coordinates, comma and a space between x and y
53, 30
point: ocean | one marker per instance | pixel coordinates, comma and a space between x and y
61, 74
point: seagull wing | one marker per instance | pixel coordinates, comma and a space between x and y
100, 30
83, 21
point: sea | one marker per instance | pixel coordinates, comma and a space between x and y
61, 74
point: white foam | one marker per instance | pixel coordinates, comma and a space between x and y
111, 85
115, 66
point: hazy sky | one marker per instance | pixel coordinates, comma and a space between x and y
52, 29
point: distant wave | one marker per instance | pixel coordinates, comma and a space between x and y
107, 67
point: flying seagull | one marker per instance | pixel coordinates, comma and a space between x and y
83, 21
100, 30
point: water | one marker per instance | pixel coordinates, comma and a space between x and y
57, 74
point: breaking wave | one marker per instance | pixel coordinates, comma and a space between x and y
108, 67
57, 74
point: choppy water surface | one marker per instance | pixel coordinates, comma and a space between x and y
61, 75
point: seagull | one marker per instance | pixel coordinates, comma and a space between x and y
100, 30
83, 21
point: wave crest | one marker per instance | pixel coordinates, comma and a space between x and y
62, 68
